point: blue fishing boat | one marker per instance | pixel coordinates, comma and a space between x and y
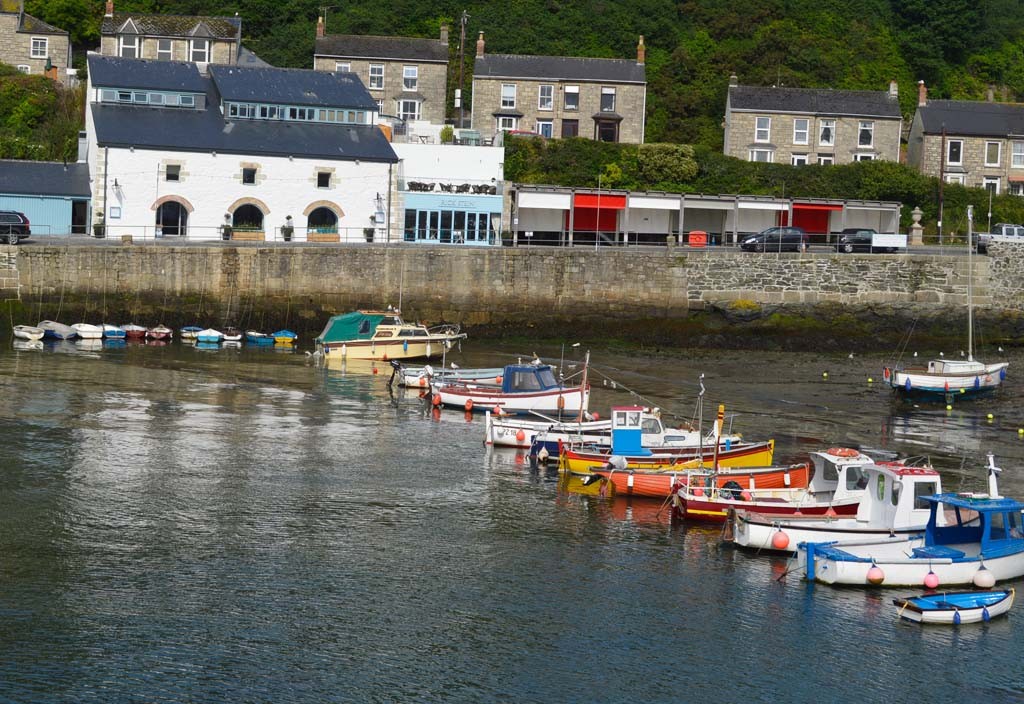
260, 339
210, 336
955, 607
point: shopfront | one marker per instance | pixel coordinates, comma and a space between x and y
443, 218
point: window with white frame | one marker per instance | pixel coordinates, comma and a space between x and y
340, 67
199, 50
410, 77
22, 68
863, 157
508, 95
827, 133
546, 98
993, 153
376, 76
572, 97
40, 47
409, 109
1017, 155
955, 178
762, 129
801, 130
128, 46
1017, 189
826, 160
991, 183
866, 134
164, 49
798, 160
546, 128
955, 152
762, 155
506, 122
607, 99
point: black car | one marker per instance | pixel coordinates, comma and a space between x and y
860, 239
776, 239
14, 226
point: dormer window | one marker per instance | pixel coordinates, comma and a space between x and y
199, 50
164, 49
128, 46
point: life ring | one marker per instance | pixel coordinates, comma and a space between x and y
842, 452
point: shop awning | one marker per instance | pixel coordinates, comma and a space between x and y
603, 201
550, 201
1016, 179
816, 206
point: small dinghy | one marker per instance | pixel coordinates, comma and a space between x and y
28, 332
232, 334
160, 332
56, 331
210, 336
113, 332
189, 332
955, 607
254, 337
285, 337
134, 331
85, 331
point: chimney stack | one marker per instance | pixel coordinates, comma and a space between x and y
894, 89
319, 27
83, 147
444, 34
733, 80
110, 8
641, 52
480, 45
922, 94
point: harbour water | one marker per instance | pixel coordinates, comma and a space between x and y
239, 525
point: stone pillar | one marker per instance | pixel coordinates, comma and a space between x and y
916, 229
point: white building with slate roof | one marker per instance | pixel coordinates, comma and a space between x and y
801, 126
175, 152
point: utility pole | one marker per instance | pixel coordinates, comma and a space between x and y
462, 69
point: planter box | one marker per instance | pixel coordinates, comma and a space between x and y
323, 237
248, 236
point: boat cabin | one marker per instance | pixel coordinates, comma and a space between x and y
838, 473
896, 494
627, 431
524, 378
955, 367
994, 524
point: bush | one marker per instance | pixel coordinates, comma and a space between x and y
447, 134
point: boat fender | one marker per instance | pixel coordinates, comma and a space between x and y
985, 616
436, 400
561, 403
780, 541
907, 384
520, 435
956, 617
469, 404
886, 373
405, 345
875, 575
977, 383
1002, 374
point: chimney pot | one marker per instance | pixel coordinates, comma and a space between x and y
922, 94
444, 34
734, 80
319, 27
894, 89
480, 45
641, 52
110, 8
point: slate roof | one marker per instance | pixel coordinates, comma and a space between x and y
972, 119
207, 131
37, 26
357, 46
174, 25
556, 68
114, 72
44, 178
246, 57
815, 101
291, 86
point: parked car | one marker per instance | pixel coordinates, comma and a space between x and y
14, 226
860, 239
776, 239
1003, 232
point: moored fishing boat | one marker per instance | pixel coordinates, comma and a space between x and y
56, 331
525, 388
28, 332
285, 337
382, 335
954, 608
980, 541
113, 332
260, 339
160, 332
663, 483
133, 331
891, 505
728, 454
422, 377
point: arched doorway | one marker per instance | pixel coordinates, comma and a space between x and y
322, 220
247, 217
172, 219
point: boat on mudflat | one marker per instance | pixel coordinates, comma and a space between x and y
524, 388
28, 332
954, 608
383, 335
53, 330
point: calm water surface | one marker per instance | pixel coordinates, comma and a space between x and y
237, 525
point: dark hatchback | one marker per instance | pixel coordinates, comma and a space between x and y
14, 226
776, 239
859, 239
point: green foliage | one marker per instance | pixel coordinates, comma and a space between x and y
39, 119
447, 134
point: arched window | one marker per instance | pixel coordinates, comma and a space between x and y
172, 219
322, 220
247, 217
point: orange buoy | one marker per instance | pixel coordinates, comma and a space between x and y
931, 580
875, 575
436, 400
423, 381
597, 416
469, 404
497, 380
780, 541
520, 435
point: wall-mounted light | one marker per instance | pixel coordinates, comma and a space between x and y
116, 184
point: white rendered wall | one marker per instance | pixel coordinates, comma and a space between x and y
450, 162
212, 183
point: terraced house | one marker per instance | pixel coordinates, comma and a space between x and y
560, 96
203, 40
973, 143
811, 126
31, 45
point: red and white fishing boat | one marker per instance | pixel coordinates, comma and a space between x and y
524, 388
661, 484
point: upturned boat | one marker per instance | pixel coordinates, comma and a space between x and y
525, 388
954, 608
28, 332
56, 331
382, 335
890, 505
160, 332
980, 541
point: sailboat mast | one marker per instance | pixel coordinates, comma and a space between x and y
970, 289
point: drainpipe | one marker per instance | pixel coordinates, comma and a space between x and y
106, 208
390, 185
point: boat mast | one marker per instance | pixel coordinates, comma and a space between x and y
970, 290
